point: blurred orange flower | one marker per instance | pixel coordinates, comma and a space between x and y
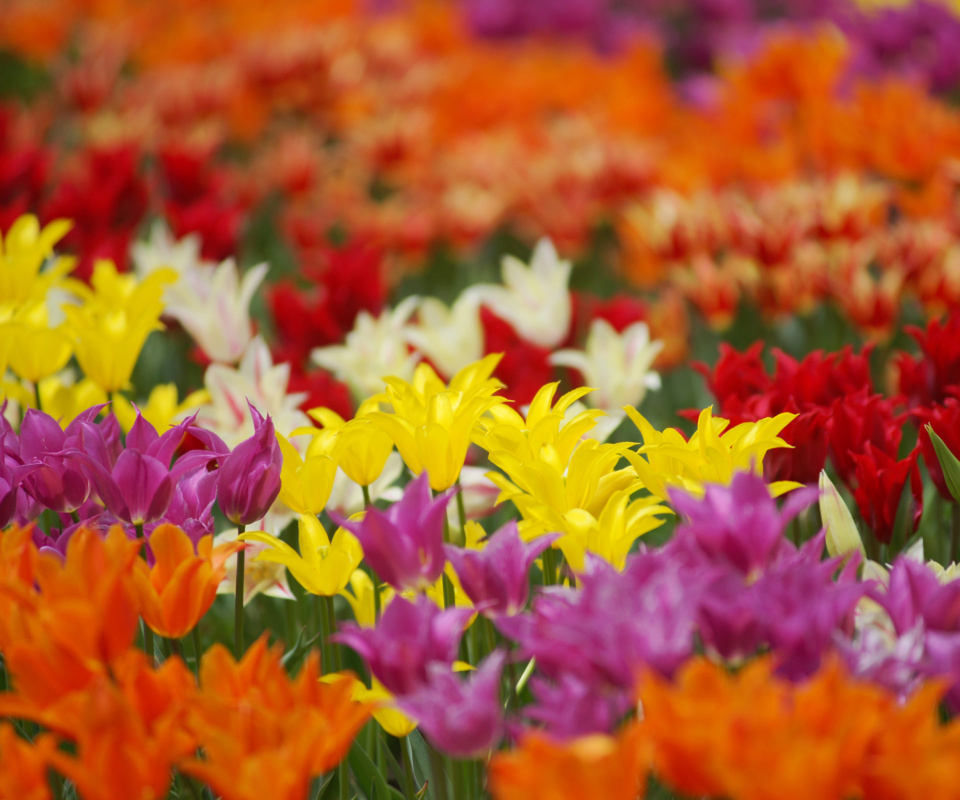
23, 768
264, 734
613, 768
74, 623
753, 736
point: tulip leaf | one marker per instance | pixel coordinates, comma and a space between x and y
329, 787
948, 463
292, 658
367, 774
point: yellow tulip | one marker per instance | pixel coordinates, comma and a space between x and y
359, 447
110, 329
432, 425
322, 567
305, 484
63, 399
36, 351
509, 436
711, 455
621, 523
391, 719
161, 409
23, 252
361, 598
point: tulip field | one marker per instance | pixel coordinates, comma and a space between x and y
467, 399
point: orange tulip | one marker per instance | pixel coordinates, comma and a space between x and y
265, 734
23, 768
129, 731
18, 562
182, 584
754, 736
613, 768
74, 624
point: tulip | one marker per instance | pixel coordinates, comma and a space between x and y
534, 299
248, 479
841, 530
496, 577
109, 332
182, 584
618, 365
432, 425
404, 544
360, 447
322, 567
305, 483
408, 637
463, 719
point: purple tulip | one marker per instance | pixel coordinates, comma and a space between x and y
498, 575
463, 718
408, 638
404, 544
57, 481
616, 624
738, 526
915, 600
248, 479
915, 595
138, 485
191, 507
571, 708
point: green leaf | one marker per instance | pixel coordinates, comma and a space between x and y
948, 463
367, 774
292, 658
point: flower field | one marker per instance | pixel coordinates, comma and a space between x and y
463, 399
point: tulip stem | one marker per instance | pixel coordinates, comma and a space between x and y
331, 616
439, 775
409, 784
148, 643
954, 533
549, 567
238, 603
366, 496
195, 635
462, 511
36, 394
457, 769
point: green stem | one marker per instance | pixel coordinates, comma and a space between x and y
525, 676
954, 554
290, 622
549, 567
238, 647
175, 648
333, 648
456, 770
343, 772
138, 526
491, 636
449, 596
409, 784
462, 511
366, 496
36, 394
195, 636
439, 774
148, 643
